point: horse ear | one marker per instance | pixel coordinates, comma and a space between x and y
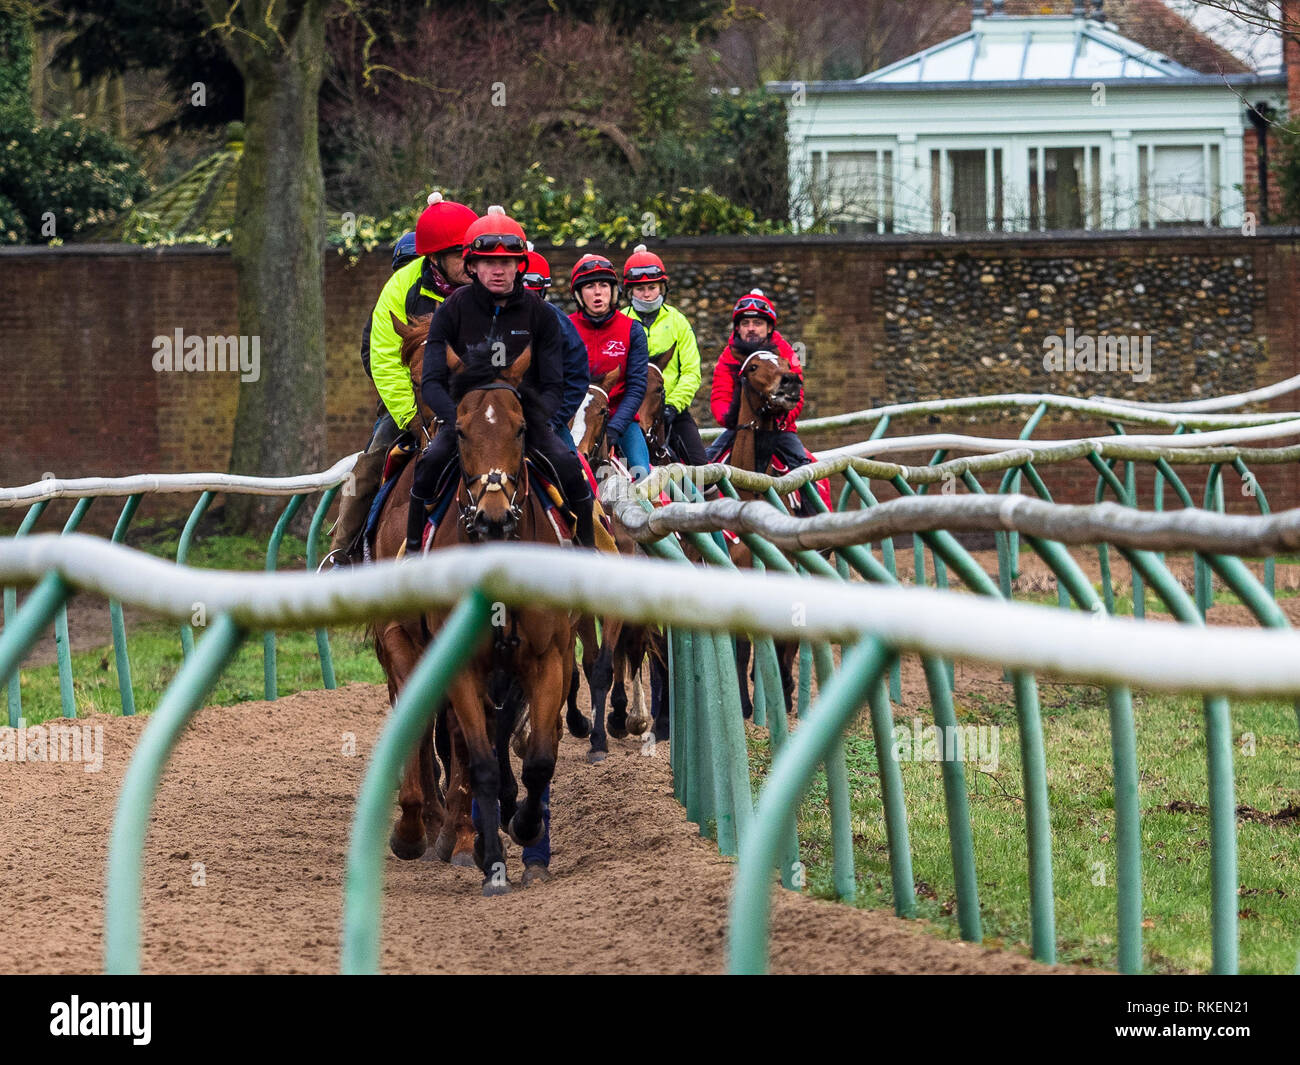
514, 373
664, 358
403, 330
454, 363
609, 380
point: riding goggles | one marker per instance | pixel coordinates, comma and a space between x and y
499, 241
753, 305
647, 273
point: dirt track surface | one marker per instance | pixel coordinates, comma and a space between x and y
263, 795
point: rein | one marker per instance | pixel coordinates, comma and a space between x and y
495, 478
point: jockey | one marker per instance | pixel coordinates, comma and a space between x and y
614, 342
426, 269
494, 309
753, 328
667, 332
537, 279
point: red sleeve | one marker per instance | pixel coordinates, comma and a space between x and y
723, 386
790, 420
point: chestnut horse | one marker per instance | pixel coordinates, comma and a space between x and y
769, 388
621, 647
526, 662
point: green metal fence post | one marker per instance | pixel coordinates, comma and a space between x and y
270, 678
11, 609
24, 628
182, 552
122, 895
747, 936
416, 706
322, 636
125, 690
62, 646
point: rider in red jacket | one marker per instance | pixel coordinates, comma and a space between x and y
753, 325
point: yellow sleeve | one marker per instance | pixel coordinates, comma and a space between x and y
392, 379
687, 358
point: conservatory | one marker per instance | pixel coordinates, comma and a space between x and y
1039, 122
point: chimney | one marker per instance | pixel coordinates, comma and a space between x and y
1290, 14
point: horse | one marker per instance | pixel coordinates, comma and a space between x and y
769, 388
526, 668
622, 647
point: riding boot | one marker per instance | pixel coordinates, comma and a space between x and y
354, 507
582, 516
417, 516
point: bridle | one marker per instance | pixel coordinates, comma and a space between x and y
495, 479
765, 407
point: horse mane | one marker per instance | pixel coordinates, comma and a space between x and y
412, 340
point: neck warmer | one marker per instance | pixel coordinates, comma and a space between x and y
650, 307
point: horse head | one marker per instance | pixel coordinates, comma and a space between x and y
770, 386
651, 413
490, 428
588, 425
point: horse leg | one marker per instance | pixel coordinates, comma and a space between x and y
469, 701
742, 671
786, 654
545, 681
659, 698
635, 640
601, 675
579, 726
616, 723
394, 649
455, 843
505, 728
435, 812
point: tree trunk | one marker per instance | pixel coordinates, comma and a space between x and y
278, 247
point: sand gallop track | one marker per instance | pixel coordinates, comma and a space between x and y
263, 795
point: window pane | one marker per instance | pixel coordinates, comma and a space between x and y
1177, 192
969, 189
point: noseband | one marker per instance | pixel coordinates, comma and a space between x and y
495, 479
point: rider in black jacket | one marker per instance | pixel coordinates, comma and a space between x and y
480, 325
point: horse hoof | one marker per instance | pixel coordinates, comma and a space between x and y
463, 860
597, 756
579, 726
637, 726
443, 846
616, 729
493, 887
512, 830
405, 849
536, 874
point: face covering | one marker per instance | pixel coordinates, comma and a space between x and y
648, 306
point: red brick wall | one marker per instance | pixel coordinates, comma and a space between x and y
81, 397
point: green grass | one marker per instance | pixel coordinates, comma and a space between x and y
1175, 846
155, 646
155, 653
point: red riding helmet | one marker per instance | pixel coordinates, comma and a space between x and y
441, 225
495, 235
537, 274
592, 268
644, 268
754, 305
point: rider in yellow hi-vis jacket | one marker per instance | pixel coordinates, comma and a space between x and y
415, 288
669, 333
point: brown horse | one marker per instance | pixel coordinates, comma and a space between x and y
525, 664
769, 388
622, 648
